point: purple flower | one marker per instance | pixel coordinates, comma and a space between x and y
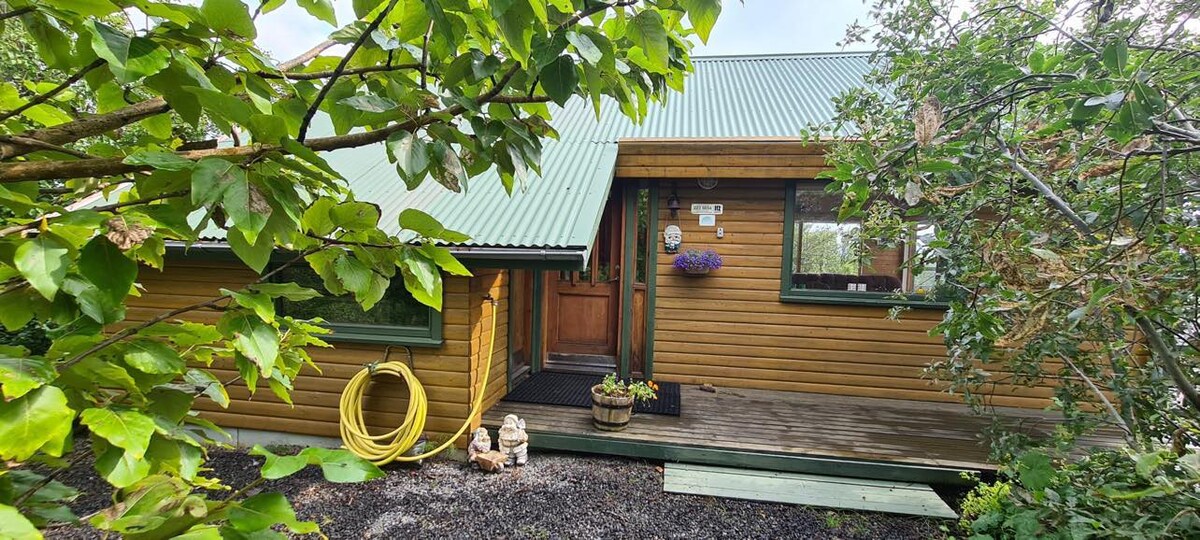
696, 260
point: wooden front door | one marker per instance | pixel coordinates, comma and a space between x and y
584, 308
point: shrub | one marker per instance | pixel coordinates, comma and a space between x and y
1106, 494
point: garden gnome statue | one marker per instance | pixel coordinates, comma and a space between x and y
514, 443
672, 237
480, 452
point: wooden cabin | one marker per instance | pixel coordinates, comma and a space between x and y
810, 374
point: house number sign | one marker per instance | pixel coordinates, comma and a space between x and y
708, 209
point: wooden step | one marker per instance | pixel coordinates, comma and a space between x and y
806, 489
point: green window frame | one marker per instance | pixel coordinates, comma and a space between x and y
429, 335
789, 294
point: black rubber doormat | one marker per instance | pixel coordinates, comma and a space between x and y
574, 390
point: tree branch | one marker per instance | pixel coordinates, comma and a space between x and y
341, 67
87, 127
16, 12
301, 76
131, 330
40, 145
85, 168
54, 91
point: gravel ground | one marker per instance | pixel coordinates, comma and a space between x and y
554, 496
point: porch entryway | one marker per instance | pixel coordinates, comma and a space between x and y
885, 439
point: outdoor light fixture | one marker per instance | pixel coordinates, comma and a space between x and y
673, 203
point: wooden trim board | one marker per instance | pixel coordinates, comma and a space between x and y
807, 489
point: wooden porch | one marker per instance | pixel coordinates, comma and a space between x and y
886, 439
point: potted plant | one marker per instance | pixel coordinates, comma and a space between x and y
612, 401
694, 262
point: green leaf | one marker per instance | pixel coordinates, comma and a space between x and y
107, 267
229, 15
423, 281
154, 357
587, 49
353, 274
126, 429
254, 338
255, 254
277, 466
15, 526
1116, 57
317, 218
260, 303
369, 103
305, 153
43, 262
119, 467
355, 216
290, 291
16, 310
246, 207
1035, 470
47, 115
560, 79
211, 177
703, 15
264, 510
19, 376
429, 227
341, 466
91, 8
446, 167
445, 260
646, 30
129, 58
209, 385
38, 420
167, 161
321, 9
409, 154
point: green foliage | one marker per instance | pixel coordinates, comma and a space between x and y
1055, 144
1109, 494
983, 499
100, 102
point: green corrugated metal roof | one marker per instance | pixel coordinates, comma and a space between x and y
727, 97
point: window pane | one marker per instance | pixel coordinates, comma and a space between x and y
397, 308
833, 256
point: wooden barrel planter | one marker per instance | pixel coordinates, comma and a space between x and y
610, 413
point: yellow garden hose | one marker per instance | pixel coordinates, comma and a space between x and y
391, 446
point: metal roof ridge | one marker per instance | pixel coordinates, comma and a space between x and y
771, 56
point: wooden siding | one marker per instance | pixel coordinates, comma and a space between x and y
730, 159
731, 329
485, 283
445, 372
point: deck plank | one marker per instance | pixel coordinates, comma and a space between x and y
876, 429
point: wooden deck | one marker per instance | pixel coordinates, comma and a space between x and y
798, 432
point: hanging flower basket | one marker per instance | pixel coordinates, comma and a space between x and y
694, 262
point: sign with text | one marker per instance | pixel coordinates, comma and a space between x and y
715, 209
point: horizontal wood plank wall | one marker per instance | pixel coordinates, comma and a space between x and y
444, 371
495, 284
672, 158
730, 328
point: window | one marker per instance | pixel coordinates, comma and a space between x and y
828, 261
397, 319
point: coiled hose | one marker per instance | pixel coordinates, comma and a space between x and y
391, 446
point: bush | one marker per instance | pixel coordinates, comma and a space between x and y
1106, 494
983, 499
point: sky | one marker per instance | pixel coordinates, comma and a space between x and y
752, 27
